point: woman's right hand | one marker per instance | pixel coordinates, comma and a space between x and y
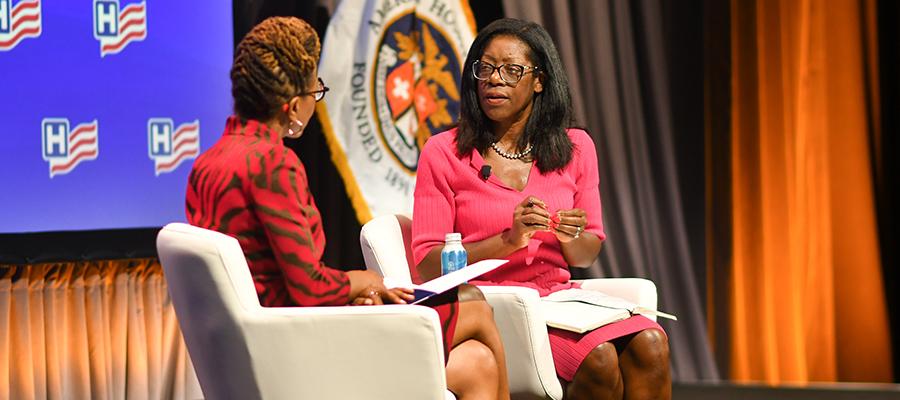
530, 216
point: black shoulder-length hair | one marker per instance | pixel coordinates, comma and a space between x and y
551, 111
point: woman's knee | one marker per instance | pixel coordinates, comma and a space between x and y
482, 359
601, 365
469, 292
474, 362
649, 347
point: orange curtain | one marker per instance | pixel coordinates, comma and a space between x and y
807, 301
91, 330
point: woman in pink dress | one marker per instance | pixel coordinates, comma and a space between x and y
520, 185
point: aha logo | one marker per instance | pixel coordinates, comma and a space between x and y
115, 28
169, 146
416, 76
18, 22
63, 148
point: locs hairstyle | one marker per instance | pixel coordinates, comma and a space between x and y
551, 112
272, 63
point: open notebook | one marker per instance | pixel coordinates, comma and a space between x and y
580, 310
444, 283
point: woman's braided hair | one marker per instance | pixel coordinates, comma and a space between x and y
273, 63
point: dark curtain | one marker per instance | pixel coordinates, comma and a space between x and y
635, 69
884, 150
717, 150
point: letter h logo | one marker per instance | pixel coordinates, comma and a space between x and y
5, 7
55, 138
106, 18
159, 136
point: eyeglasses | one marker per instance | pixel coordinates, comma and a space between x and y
317, 94
509, 73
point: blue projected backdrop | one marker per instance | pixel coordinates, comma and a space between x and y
104, 105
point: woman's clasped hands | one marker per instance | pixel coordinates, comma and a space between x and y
532, 216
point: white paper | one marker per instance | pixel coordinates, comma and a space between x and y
444, 283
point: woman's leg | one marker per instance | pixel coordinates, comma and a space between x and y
467, 292
472, 371
598, 376
644, 361
476, 321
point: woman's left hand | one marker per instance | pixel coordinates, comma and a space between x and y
378, 295
569, 224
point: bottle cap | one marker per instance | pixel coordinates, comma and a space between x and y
453, 236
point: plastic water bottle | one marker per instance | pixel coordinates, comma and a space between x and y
453, 257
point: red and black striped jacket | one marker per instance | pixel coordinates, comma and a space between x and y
250, 186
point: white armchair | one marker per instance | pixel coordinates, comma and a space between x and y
242, 350
385, 244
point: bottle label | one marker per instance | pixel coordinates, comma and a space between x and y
452, 260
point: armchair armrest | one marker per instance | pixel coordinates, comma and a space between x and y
523, 330
385, 351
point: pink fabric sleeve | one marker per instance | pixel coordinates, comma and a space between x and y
587, 194
434, 210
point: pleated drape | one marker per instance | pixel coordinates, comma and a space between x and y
615, 54
91, 330
807, 302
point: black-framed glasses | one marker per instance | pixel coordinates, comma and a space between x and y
317, 94
509, 73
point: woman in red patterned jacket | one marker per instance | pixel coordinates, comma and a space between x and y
250, 186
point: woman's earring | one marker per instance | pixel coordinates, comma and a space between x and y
295, 128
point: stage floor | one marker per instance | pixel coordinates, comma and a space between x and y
817, 391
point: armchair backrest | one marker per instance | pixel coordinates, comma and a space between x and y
211, 290
383, 250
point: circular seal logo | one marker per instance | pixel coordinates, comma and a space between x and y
415, 81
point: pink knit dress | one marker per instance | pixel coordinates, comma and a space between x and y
451, 196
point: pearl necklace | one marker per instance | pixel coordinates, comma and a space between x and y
511, 156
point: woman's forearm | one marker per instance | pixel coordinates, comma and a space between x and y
497, 246
582, 252
360, 280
